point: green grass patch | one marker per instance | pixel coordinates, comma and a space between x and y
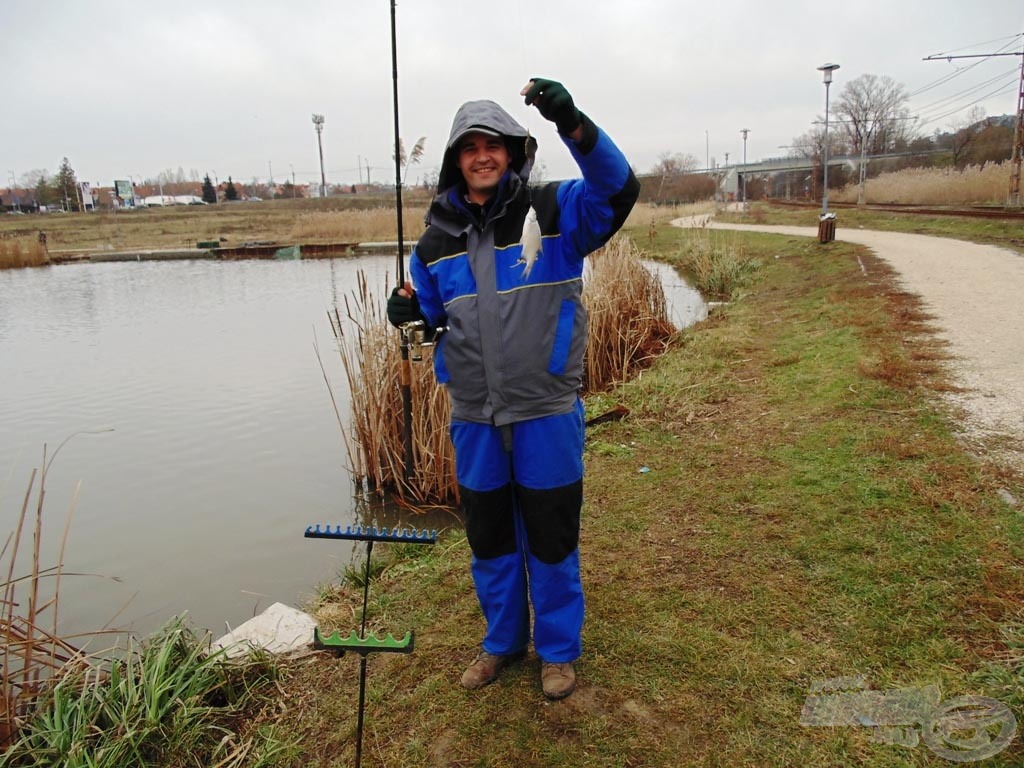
805, 514
169, 702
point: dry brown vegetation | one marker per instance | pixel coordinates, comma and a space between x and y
32, 651
15, 254
358, 226
629, 326
628, 316
988, 183
372, 362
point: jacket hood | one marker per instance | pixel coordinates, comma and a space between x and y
491, 118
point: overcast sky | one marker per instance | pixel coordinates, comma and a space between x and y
228, 88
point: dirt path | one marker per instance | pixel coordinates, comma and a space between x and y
974, 293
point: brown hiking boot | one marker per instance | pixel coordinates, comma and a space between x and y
557, 680
485, 669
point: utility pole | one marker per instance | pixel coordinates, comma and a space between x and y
743, 196
318, 123
1018, 144
1013, 198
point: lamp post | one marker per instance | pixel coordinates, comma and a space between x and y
318, 123
827, 70
743, 193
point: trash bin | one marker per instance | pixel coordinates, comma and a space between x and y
826, 228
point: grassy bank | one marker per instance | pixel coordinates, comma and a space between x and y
1002, 232
785, 504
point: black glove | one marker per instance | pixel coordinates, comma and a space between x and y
555, 104
403, 309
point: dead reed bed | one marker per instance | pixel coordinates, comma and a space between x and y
371, 357
629, 325
975, 184
15, 254
358, 226
628, 313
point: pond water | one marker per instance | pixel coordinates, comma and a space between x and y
188, 399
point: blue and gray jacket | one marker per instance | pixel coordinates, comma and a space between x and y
513, 349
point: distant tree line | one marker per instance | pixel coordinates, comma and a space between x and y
870, 117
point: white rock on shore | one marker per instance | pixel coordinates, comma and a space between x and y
279, 629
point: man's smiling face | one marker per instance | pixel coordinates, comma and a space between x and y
483, 160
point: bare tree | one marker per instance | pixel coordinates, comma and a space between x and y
812, 146
963, 135
672, 166
873, 115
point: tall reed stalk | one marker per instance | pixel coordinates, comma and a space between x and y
32, 651
629, 325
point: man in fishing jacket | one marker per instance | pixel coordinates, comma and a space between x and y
511, 356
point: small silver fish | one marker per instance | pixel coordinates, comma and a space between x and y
530, 242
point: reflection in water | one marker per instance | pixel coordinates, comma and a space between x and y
224, 445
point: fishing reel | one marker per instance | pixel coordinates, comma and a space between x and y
416, 335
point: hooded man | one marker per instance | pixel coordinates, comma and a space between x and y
499, 271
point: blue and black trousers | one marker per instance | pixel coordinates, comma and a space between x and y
522, 492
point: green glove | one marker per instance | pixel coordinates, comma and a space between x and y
554, 102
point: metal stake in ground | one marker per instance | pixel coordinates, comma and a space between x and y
364, 644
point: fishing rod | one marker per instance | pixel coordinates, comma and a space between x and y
405, 369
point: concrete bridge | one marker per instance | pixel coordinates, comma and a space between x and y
731, 177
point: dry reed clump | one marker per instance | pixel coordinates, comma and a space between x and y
372, 360
716, 260
987, 183
628, 316
358, 226
629, 325
15, 254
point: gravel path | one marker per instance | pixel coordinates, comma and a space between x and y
973, 293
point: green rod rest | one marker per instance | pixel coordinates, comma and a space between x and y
369, 644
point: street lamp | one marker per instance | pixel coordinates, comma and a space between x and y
318, 123
827, 70
743, 194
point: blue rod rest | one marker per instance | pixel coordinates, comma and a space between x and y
372, 533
